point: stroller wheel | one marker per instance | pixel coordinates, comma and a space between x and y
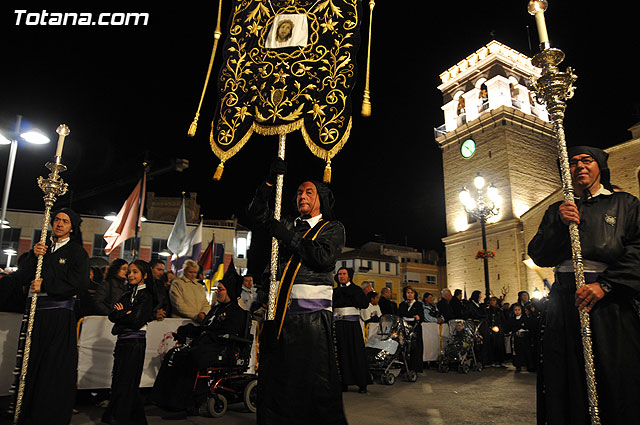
412, 376
217, 405
443, 367
478, 367
251, 395
370, 379
388, 378
463, 368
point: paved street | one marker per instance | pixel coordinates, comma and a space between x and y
493, 396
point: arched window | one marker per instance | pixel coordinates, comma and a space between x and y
484, 98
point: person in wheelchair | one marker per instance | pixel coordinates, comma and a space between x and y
198, 347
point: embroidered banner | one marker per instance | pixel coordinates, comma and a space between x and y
287, 65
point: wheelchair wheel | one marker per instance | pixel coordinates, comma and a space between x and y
250, 396
412, 376
217, 405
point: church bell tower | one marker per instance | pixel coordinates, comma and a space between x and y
493, 126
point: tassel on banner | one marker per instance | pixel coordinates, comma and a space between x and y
366, 101
194, 125
326, 178
216, 37
218, 174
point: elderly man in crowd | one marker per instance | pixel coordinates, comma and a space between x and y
444, 305
609, 224
386, 305
188, 296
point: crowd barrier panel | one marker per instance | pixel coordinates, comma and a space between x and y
95, 350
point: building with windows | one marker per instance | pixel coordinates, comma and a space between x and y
26, 227
394, 267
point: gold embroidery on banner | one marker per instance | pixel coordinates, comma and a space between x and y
283, 90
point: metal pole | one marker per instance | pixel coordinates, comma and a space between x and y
553, 88
277, 210
7, 182
487, 288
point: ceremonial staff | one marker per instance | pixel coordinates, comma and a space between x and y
53, 186
553, 88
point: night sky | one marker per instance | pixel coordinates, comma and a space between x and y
127, 90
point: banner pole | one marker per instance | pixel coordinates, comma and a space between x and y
277, 211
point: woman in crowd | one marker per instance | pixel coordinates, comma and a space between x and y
413, 312
431, 312
112, 288
129, 315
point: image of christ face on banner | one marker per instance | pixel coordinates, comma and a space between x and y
288, 30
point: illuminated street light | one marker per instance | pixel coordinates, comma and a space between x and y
482, 209
32, 136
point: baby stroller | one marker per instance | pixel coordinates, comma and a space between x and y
388, 349
460, 349
231, 383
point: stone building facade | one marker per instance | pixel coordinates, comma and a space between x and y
486, 100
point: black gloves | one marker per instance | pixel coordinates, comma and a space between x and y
278, 166
280, 231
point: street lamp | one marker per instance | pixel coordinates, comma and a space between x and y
482, 209
32, 136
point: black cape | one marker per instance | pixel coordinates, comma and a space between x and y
609, 233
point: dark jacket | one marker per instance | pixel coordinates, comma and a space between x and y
387, 306
223, 318
65, 273
416, 309
107, 294
140, 308
350, 296
609, 233
444, 307
318, 256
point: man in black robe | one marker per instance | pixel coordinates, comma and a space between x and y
609, 224
50, 385
348, 299
386, 305
174, 385
298, 379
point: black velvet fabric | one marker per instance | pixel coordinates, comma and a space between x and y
298, 381
562, 392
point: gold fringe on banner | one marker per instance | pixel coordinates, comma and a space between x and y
216, 38
366, 101
324, 154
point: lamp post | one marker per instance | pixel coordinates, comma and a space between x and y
482, 209
34, 137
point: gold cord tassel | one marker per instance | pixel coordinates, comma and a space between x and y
218, 174
216, 37
366, 101
326, 178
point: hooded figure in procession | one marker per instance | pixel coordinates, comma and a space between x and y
50, 386
348, 300
298, 380
609, 225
